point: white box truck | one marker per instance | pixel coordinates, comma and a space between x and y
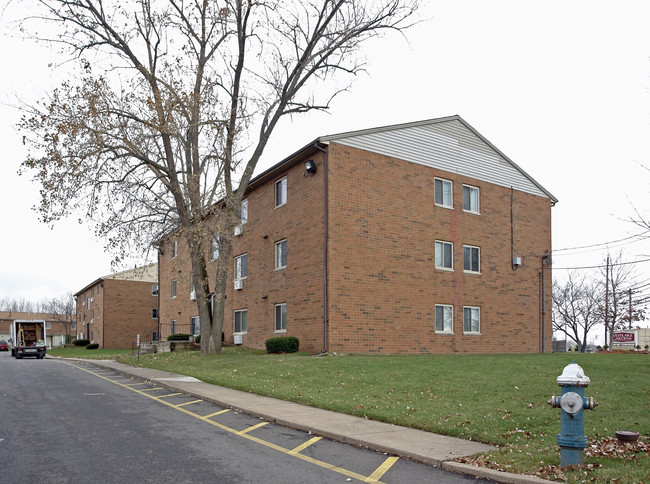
28, 338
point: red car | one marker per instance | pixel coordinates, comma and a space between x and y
3, 345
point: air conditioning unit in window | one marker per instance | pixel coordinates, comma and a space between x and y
193, 296
239, 284
238, 230
238, 339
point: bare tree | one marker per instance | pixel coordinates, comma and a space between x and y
575, 308
173, 105
62, 309
18, 305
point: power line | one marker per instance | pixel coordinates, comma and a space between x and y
602, 243
601, 266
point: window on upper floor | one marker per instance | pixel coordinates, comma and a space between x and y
174, 248
443, 193
241, 321
241, 267
444, 318
154, 313
215, 247
174, 288
470, 199
281, 254
154, 290
471, 259
242, 213
444, 255
281, 318
73, 326
471, 320
281, 192
48, 325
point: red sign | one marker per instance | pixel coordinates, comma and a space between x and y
624, 337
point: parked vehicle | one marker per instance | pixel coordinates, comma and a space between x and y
4, 346
28, 338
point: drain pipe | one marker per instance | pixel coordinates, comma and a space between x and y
325, 235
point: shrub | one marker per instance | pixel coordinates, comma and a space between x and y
197, 338
92, 346
282, 344
178, 337
81, 342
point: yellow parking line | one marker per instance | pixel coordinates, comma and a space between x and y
303, 446
250, 429
270, 445
382, 469
135, 390
188, 403
216, 413
169, 395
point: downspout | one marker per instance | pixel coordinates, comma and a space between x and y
325, 236
543, 332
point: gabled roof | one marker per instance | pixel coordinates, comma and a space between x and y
448, 144
148, 273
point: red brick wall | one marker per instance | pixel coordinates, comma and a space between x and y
383, 284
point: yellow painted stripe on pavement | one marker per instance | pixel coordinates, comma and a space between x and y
250, 429
187, 403
216, 413
169, 395
270, 445
135, 390
382, 469
303, 446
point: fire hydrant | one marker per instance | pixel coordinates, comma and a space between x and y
572, 439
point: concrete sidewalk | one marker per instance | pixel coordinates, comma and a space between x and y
418, 445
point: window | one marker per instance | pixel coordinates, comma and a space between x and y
174, 288
154, 313
242, 213
241, 321
48, 325
73, 326
444, 318
281, 254
444, 258
470, 199
281, 318
154, 290
241, 267
195, 325
192, 288
281, 192
471, 259
443, 192
214, 248
174, 249
471, 320
173, 326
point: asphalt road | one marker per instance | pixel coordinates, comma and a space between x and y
65, 422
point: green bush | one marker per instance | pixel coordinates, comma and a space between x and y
282, 344
178, 337
81, 342
197, 338
92, 346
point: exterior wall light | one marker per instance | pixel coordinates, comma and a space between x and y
310, 166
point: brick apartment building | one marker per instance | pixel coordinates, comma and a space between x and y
55, 329
414, 238
114, 309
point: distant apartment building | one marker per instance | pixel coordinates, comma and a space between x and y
57, 328
113, 310
414, 238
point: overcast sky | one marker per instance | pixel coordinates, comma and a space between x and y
562, 88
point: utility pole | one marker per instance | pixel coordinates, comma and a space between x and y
629, 321
606, 299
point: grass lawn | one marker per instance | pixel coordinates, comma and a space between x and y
496, 399
82, 352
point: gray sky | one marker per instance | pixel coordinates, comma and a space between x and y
562, 88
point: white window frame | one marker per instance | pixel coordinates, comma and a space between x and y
472, 189
173, 326
446, 308
442, 244
48, 325
239, 267
215, 248
242, 213
154, 290
174, 288
280, 251
195, 325
471, 248
73, 326
477, 311
283, 318
443, 182
174, 249
282, 185
243, 324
